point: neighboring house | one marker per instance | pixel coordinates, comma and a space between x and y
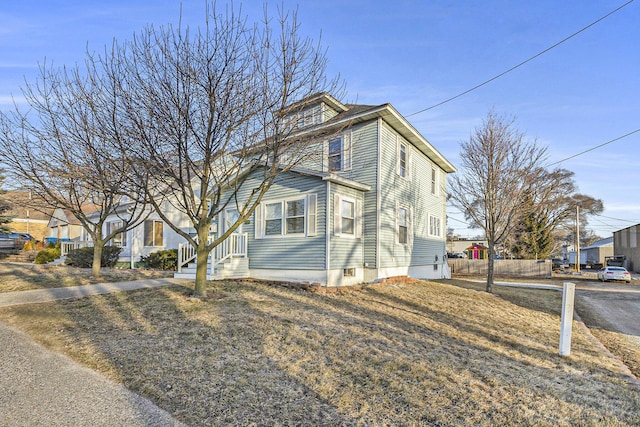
64, 226
477, 251
458, 246
27, 219
373, 207
625, 242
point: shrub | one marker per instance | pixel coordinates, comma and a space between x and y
47, 255
161, 260
83, 257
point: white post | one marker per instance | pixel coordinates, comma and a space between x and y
566, 320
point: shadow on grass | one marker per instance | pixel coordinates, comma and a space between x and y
21, 277
409, 355
193, 358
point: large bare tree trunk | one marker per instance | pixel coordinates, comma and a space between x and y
490, 266
202, 256
97, 258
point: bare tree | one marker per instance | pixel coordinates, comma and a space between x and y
213, 109
498, 166
65, 150
550, 207
4, 207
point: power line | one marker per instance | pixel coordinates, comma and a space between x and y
617, 219
523, 62
596, 147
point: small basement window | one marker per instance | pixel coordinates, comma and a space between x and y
349, 272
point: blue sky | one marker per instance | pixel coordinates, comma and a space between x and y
415, 54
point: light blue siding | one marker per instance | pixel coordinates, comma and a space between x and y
346, 251
289, 252
413, 192
364, 140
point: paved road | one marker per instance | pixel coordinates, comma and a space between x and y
42, 388
617, 302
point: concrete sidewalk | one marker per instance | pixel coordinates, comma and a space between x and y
53, 294
39, 387
42, 388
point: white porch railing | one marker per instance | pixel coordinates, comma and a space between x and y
66, 247
234, 246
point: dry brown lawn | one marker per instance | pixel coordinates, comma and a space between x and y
409, 354
24, 277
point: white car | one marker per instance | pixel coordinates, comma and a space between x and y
614, 273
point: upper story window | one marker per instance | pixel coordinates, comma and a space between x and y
153, 233
403, 158
339, 153
434, 181
287, 217
402, 161
304, 118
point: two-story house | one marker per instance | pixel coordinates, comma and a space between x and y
372, 207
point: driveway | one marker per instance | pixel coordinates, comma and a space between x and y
617, 304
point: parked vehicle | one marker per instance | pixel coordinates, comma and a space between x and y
456, 255
614, 273
615, 260
16, 236
559, 264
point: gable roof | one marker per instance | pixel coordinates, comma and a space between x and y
351, 114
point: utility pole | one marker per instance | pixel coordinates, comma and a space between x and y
578, 239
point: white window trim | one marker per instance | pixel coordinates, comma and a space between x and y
123, 234
345, 155
337, 217
155, 244
310, 218
434, 181
407, 158
439, 235
409, 224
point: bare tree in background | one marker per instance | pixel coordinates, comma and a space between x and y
4, 206
498, 166
550, 209
210, 109
65, 150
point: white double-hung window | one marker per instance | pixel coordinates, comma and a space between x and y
403, 225
339, 153
153, 233
289, 217
435, 228
347, 216
403, 156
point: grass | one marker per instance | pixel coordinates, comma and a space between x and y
24, 277
422, 353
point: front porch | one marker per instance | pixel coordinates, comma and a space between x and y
227, 260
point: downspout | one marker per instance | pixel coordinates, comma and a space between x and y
378, 196
132, 262
327, 233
